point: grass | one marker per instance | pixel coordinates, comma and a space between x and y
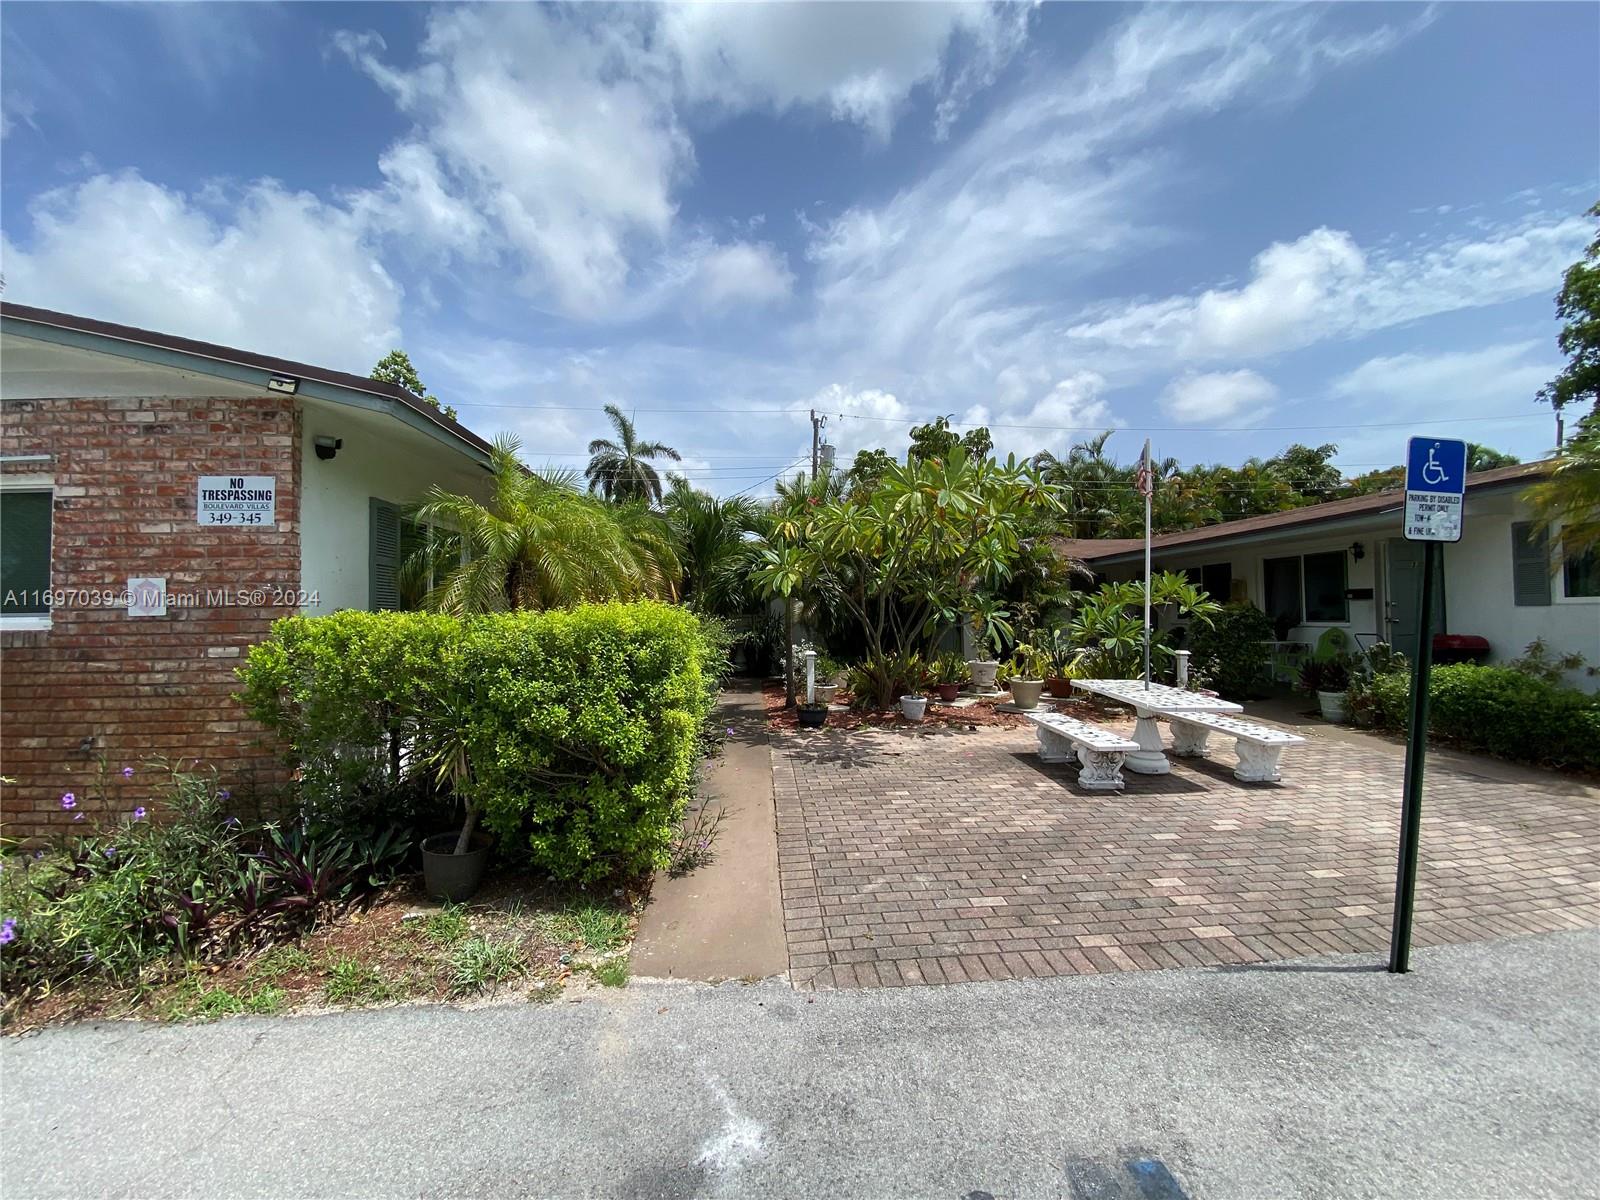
479, 962
280, 961
612, 973
447, 926
598, 927
193, 1000
351, 981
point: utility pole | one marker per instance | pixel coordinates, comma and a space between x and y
816, 441
1561, 431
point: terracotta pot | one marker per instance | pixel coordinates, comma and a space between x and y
1059, 685
948, 691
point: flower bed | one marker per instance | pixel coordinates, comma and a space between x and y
983, 713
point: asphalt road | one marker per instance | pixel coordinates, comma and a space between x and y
1474, 1076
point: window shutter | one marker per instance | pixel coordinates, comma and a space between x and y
1530, 566
383, 565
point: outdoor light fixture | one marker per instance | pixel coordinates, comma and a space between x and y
283, 383
1357, 551
327, 447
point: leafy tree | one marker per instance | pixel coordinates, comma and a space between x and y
1578, 304
868, 468
540, 542
395, 367
1307, 470
910, 555
622, 470
1566, 503
938, 440
1486, 458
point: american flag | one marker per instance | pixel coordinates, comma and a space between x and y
1143, 479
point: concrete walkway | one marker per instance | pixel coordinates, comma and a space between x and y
724, 920
1474, 1076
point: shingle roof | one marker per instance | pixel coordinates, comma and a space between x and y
246, 358
1096, 549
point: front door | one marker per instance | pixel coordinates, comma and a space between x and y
1404, 593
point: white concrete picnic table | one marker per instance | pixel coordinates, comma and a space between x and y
1151, 758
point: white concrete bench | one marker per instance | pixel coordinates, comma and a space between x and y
1258, 746
1099, 751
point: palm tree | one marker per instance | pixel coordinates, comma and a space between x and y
1566, 502
713, 541
540, 542
623, 471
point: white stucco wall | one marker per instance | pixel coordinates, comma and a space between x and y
380, 458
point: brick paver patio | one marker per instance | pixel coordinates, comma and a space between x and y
938, 858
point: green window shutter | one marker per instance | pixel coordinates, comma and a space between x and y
383, 564
1530, 566
24, 551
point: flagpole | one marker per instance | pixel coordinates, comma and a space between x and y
1148, 488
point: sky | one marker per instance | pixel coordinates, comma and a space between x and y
1226, 228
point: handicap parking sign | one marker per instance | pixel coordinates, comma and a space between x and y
1436, 480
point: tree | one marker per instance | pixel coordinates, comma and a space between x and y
1307, 470
937, 440
868, 468
1566, 503
1486, 458
540, 542
714, 544
395, 367
1578, 304
622, 470
912, 554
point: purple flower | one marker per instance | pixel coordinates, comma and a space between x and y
37, 855
232, 822
8, 931
68, 800
111, 851
224, 794
77, 816
138, 813
127, 772
730, 731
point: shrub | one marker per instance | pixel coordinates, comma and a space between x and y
579, 726
1230, 654
1501, 710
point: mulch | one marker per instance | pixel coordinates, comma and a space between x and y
982, 714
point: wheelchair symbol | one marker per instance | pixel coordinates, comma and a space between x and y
1432, 472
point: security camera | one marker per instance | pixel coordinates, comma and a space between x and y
327, 447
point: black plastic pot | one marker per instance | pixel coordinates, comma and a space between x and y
450, 876
812, 718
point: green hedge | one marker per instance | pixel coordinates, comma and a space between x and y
581, 725
1500, 710
1230, 654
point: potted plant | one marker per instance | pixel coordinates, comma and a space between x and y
950, 671
827, 685
914, 708
812, 714
453, 863
1026, 676
992, 625
1329, 678
1057, 649
914, 677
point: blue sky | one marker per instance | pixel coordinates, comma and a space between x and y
1230, 227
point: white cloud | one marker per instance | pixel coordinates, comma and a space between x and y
858, 419
283, 273
743, 273
1323, 285
859, 61
1232, 397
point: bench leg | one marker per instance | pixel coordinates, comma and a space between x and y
1053, 748
1189, 739
1257, 763
1102, 770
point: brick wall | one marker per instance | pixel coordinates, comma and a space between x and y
125, 477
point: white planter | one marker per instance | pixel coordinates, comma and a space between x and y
983, 674
914, 707
1025, 693
1333, 707
825, 692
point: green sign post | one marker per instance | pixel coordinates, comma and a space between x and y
1436, 484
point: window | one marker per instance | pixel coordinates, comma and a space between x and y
1530, 566
1581, 576
24, 552
397, 578
1324, 587
1307, 589
383, 562
1216, 580
1282, 577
